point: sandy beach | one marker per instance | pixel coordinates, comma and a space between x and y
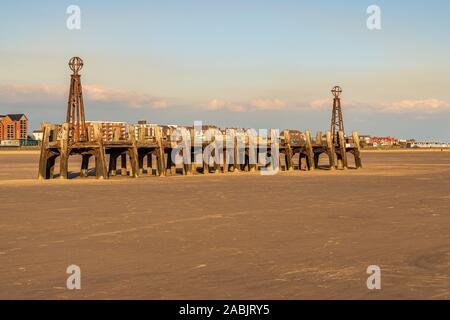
301, 235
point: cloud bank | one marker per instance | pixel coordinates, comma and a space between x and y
132, 99
95, 93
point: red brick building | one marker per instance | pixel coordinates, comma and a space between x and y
13, 127
108, 128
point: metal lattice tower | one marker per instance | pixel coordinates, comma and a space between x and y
75, 110
337, 122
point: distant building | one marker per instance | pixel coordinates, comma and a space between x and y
38, 135
384, 141
108, 128
430, 144
13, 127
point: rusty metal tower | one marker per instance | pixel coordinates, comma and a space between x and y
337, 122
75, 110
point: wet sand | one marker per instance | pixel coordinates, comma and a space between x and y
302, 235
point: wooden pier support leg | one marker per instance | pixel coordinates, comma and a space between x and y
339, 162
150, 164
226, 161
123, 164
246, 163
141, 163
236, 165
134, 163
50, 170
169, 164
217, 165
206, 164
160, 157
42, 174
64, 152
357, 150
330, 151
316, 160
309, 151
343, 149
301, 162
101, 170
161, 164
193, 163
133, 152
187, 166
113, 164
288, 154
85, 165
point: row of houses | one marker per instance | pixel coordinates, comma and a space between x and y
14, 132
377, 142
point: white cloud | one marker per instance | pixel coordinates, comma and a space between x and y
27, 93
321, 104
268, 104
254, 105
417, 106
217, 104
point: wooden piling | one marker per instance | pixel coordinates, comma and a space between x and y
330, 151
42, 174
237, 155
288, 153
343, 149
357, 150
150, 164
64, 152
309, 150
101, 170
160, 159
134, 168
123, 164
85, 165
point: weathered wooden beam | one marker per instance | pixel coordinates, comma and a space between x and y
113, 164
133, 152
64, 152
226, 154
357, 150
101, 170
309, 150
150, 164
330, 151
50, 167
218, 153
42, 174
288, 151
141, 157
123, 164
160, 158
343, 149
236, 150
85, 165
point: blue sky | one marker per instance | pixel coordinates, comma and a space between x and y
236, 63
